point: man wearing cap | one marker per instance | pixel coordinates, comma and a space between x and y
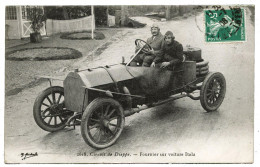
172, 53
156, 42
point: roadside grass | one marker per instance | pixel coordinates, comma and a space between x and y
43, 53
20, 74
83, 35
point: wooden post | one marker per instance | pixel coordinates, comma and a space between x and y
92, 23
168, 12
20, 20
123, 15
180, 10
107, 16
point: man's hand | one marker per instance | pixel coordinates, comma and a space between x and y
151, 52
165, 64
153, 64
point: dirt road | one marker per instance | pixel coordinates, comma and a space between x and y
179, 127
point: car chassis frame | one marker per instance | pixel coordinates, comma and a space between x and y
212, 85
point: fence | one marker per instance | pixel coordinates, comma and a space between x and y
58, 26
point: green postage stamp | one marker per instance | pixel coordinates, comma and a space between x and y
225, 25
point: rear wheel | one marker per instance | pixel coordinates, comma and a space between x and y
213, 91
102, 122
48, 110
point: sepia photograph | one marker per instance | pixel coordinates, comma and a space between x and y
129, 84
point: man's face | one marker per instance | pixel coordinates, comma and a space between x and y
168, 40
155, 31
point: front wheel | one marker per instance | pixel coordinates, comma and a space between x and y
48, 110
213, 91
102, 123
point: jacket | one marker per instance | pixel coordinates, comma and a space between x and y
156, 43
172, 53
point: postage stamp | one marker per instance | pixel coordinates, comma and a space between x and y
225, 25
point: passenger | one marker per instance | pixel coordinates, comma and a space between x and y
171, 55
156, 42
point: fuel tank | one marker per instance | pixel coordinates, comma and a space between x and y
76, 82
192, 54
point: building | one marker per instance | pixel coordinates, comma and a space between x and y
17, 25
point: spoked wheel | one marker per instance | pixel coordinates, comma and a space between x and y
48, 109
102, 122
213, 91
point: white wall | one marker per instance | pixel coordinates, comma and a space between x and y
13, 27
12, 30
58, 26
111, 20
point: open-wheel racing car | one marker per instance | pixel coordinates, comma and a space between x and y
99, 99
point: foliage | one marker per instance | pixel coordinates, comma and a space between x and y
100, 15
54, 12
75, 12
67, 12
36, 15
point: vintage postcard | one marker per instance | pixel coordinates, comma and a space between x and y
129, 84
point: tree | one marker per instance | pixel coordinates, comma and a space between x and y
168, 12
36, 15
65, 13
124, 13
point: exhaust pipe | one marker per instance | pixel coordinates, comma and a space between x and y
134, 110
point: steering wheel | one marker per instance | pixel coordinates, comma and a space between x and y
142, 44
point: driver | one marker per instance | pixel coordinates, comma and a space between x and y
171, 55
156, 42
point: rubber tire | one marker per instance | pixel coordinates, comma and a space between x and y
205, 84
201, 75
37, 108
206, 68
92, 106
202, 64
202, 72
